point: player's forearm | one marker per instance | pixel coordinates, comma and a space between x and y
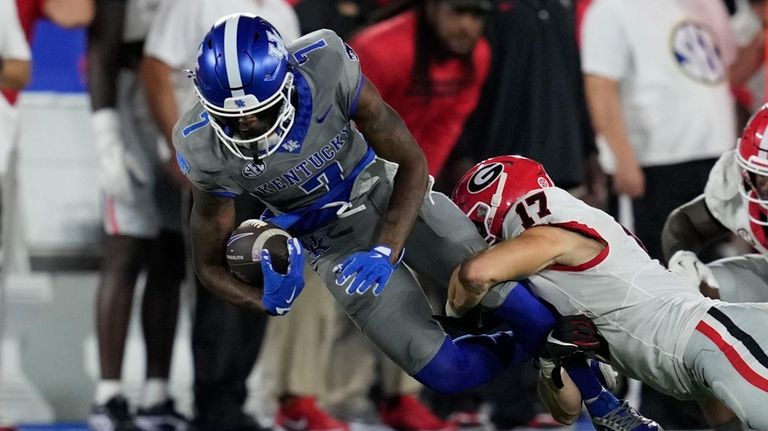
408, 191
563, 403
679, 234
748, 61
221, 283
15, 74
211, 223
211, 268
104, 45
605, 108
157, 80
470, 282
690, 227
387, 134
463, 295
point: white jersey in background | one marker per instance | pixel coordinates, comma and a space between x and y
671, 58
138, 18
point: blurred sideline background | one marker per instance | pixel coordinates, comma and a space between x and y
49, 356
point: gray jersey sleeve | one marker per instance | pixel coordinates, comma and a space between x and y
198, 154
332, 61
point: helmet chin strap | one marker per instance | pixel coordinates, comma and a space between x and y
266, 143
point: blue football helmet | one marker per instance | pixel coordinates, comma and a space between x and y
244, 81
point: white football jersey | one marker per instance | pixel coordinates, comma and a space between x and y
138, 18
726, 204
645, 312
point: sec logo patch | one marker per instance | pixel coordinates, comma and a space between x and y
253, 169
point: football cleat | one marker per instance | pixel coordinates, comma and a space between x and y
625, 418
303, 414
161, 417
408, 413
112, 416
475, 420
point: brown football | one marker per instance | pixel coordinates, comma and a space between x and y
245, 245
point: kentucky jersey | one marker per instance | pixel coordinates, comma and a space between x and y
645, 312
320, 151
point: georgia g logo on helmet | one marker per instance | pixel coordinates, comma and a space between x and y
487, 192
484, 177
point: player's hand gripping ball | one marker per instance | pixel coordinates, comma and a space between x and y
264, 255
244, 250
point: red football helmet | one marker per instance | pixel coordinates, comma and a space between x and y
752, 157
488, 190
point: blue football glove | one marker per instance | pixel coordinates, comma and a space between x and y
367, 269
281, 290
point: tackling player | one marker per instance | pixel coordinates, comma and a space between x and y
301, 128
659, 329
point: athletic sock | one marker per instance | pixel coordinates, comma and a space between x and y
155, 392
602, 404
530, 320
106, 390
597, 399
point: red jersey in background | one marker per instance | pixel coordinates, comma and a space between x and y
387, 52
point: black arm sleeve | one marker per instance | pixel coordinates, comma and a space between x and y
690, 227
105, 36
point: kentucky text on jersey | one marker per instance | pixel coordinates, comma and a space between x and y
307, 168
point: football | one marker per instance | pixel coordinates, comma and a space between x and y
244, 250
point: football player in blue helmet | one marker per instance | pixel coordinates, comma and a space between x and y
247, 94
310, 136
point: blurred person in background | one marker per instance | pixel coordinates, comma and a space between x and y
17, 21
636, 60
657, 82
342, 16
226, 340
533, 102
142, 220
65, 13
748, 23
429, 60
15, 71
429, 63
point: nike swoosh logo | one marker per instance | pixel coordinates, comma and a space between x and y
290, 299
324, 116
